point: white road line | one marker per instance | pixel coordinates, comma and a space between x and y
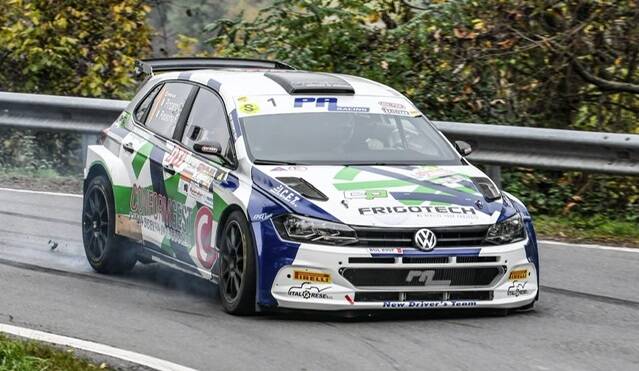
40, 192
89, 346
598, 247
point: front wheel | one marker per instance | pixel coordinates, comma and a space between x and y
237, 266
106, 252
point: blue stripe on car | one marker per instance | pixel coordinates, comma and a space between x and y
301, 206
271, 253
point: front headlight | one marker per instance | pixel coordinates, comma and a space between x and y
304, 229
506, 231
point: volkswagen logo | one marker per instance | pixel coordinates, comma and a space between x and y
425, 239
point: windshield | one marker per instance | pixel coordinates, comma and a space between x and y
345, 138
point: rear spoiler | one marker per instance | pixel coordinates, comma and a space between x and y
152, 66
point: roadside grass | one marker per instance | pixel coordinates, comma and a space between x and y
598, 230
20, 355
40, 180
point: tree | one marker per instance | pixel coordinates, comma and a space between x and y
72, 47
561, 64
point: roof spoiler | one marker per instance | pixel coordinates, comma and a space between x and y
152, 66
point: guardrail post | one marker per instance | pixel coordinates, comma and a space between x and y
494, 173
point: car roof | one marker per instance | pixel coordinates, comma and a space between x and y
242, 82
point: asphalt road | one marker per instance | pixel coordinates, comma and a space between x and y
587, 317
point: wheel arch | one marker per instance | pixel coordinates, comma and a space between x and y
97, 168
224, 216
102, 161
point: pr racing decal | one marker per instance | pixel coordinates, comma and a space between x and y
330, 103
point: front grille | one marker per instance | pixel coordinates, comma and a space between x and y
403, 237
425, 260
385, 277
423, 296
477, 259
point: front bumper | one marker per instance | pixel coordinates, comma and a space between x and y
351, 278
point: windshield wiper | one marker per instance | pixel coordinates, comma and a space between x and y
272, 162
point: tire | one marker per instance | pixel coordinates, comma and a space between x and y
106, 252
237, 266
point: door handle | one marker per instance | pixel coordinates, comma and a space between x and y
128, 146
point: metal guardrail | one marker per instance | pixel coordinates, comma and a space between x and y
493, 145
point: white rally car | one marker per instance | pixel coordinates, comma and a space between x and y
303, 190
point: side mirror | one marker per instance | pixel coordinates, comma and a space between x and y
213, 149
208, 148
463, 148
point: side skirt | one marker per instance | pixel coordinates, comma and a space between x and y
178, 264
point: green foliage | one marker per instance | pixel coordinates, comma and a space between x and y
72, 47
492, 61
587, 195
597, 229
514, 62
16, 355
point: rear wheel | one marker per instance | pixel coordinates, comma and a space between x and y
106, 252
237, 266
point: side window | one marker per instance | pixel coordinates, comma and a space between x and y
207, 121
143, 108
167, 108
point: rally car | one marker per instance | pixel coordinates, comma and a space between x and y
302, 190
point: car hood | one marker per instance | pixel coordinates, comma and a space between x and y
385, 196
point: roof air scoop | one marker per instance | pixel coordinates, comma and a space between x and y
310, 83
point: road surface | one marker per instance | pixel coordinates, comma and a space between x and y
587, 317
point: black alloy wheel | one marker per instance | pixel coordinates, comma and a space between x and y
237, 266
95, 223
106, 252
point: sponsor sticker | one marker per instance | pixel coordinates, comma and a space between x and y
200, 195
428, 304
517, 288
417, 210
206, 253
312, 276
285, 195
261, 217
520, 274
366, 195
307, 291
247, 107
385, 250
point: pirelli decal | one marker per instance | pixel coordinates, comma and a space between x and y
520, 274
312, 276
